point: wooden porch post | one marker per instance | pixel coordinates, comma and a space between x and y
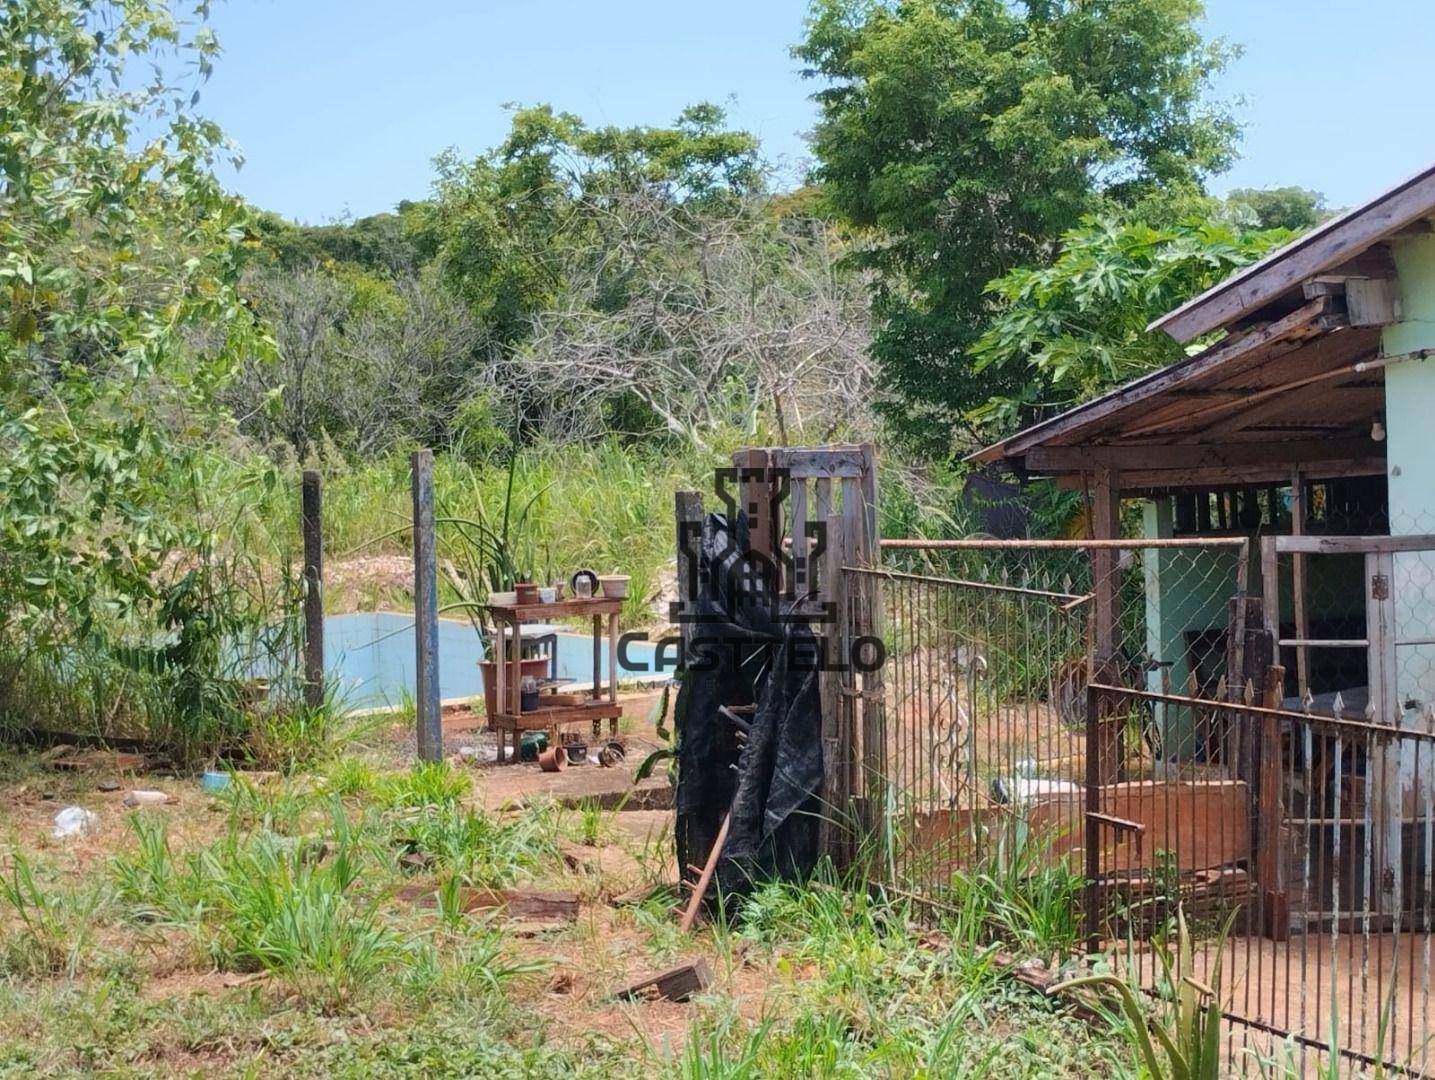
1106, 525
1106, 587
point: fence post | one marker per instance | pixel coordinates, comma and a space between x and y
430, 733
311, 518
875, 803
1271, 898
1093, 826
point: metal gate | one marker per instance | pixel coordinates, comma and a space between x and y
1181, 779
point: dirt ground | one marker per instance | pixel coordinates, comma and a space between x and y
626, 852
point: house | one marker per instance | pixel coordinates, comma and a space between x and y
1309, 414
1304, 424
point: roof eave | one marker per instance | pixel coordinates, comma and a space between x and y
1315, 252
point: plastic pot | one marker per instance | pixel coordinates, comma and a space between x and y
615, 586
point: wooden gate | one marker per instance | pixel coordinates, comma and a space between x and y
810, 512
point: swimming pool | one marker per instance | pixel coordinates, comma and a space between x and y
370, 657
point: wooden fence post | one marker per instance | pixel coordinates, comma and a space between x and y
311, 518
430, 732
1269, 812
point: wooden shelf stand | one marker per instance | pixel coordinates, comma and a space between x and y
602, 701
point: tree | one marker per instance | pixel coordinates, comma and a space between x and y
965, 136
1293, 208
723, 316
119, 320
379, 243
372, 363
116, 243
1067, 332
502, 226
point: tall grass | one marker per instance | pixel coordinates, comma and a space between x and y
49, 929
864, 990
208, 643
607, 506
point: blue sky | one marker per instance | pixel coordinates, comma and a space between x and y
340, 105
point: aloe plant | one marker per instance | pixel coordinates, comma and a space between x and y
1185, 1042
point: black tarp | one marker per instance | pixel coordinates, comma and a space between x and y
744, 652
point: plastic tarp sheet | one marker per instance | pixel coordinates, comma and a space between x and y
746, 653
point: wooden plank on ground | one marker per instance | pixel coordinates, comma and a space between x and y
516, 903
675, 984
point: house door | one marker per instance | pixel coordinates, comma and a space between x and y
1315, 588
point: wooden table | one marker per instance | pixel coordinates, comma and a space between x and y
601, 701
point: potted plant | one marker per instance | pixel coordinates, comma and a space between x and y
481, 559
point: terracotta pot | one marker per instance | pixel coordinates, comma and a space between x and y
554, 759
615, 586
536, 666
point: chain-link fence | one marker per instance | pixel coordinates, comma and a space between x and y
1206, 774
990, 646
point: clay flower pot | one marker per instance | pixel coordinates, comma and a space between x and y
615, 586
554, 759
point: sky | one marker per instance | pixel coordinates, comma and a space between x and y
341, 105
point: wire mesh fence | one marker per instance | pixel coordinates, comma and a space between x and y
1293, 801
1300, 855
990, 646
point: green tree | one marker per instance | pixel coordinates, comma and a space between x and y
502, 226
378, 243
1294, 208
1072, 330
966, 136
118, 316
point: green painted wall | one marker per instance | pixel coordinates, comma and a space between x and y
1188, 588
1182, 596
1410, 391
1410, 453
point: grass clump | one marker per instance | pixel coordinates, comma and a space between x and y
475, 847
428, 783
49, 929
277, 911
264, 901
1017, 894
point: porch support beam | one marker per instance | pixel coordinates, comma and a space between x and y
1195, 456
1105, 525
1150, 481
1106, 641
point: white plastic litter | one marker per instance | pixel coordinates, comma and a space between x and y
1020, 789
146, 798
75, 821
474, 754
